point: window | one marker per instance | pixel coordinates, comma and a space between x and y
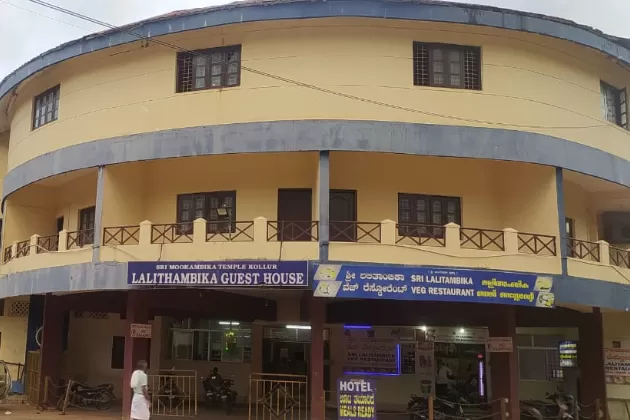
118, 352
216, 341
208, 206
46, 107
444, 65
539, 358
209, 69
614, 105
416, 212
570, 235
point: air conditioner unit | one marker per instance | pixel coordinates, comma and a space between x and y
616, 226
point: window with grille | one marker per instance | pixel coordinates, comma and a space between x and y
539, 358
217, 208
614, 104
445, 65
205, 339
423, 215
46, 107
209, 69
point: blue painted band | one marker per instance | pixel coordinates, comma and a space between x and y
113, 276
309, 9
322, 135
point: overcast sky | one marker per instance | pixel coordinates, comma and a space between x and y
27, 29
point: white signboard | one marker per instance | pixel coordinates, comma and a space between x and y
368, 352
140, 331
617, 366
499, 345
456, 335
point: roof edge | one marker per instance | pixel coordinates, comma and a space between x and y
269, 10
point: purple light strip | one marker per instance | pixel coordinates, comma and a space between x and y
357, 327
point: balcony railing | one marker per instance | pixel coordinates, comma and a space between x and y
536, 244
583, 250
80, 239
482, 239
8, 254
172, 233
619, 257
48, 243
364, 232
226, 231
292, 231
420, 235
23, 248
121, 235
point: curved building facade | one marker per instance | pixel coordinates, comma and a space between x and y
313, 165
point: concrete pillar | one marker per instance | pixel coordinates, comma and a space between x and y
505, 365
591, 362
52, 347
388, 232
323, 199
135, 348
98, 215
318, 318
562, 227
257, 348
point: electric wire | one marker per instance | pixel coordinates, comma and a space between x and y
46, 16
304, 84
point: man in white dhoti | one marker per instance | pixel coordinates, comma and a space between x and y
141, 401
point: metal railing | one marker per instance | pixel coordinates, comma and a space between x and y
121, 235
173, 393
226, 231
293, 231
482, 239
421, 235
80, 239
365, 232
278, 397
583, 250
8, 254
533, 243
48, 243
22, 248
172, 233
619, 257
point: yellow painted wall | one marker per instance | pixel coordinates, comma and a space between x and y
578, 206
13, 330
4, 155
529, 83
124, 189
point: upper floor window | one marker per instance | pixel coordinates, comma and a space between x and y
209, 69
46, 107
218, 208
416, 212
614, 104
445, 65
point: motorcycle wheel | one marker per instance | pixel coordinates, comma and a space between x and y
104, 403
228, 406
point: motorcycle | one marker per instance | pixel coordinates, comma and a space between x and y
81, 395
418, 408
221, 393
561, 407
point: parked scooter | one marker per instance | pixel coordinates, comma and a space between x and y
220, 391
418, 408
557, 405
81, 395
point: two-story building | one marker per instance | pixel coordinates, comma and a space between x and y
271, 184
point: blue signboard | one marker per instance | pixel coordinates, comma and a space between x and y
432, 284
356, 399
219, 273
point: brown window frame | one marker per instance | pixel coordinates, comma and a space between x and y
423, 69
187, 68
620, 104
206, 209
429, 199
38, 108
569, 227
84, 237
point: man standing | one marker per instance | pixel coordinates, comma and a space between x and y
141, 401
444, 378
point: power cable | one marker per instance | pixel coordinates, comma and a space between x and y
304, 84
46, 16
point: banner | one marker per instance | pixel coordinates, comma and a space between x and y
499, 345
356, 399
432, 284
369, 354
426, 368
219, 274
617, 366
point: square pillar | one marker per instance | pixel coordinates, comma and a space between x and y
592, 385
51, 355
318, 317
562, 224
323, 200
505, 365
135, 348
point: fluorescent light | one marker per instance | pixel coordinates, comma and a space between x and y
424, 328
229, 323
299, 327
462, 331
